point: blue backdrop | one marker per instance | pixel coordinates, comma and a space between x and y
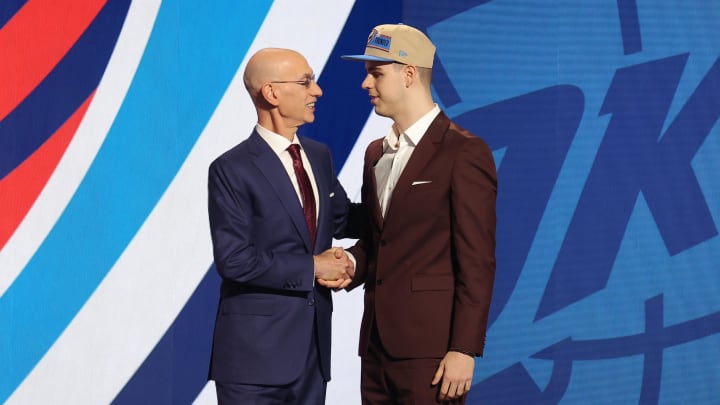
602, 116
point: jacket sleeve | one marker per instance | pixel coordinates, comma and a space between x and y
236, 227
473, 198
359, 224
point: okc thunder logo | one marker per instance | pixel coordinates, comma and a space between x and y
372, 35
378, 41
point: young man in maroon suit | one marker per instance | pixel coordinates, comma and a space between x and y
428, 258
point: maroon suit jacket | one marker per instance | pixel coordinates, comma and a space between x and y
429, 266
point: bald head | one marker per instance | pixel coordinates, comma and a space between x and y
282, 87
268, 65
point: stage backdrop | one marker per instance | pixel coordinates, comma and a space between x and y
602, 116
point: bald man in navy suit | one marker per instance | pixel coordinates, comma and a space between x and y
275, 204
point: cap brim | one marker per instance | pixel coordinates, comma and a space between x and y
366, 58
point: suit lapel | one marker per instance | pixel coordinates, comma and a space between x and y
270, 166
374, 152
420, 157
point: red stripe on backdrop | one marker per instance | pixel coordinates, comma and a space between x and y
21, 187
35, 40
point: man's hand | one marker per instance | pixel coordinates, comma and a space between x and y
456, 372
333, 268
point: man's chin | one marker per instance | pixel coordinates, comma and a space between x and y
380, 112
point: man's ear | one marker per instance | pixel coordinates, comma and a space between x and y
267, 92
411, 75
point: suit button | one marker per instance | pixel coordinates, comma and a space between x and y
311, 302
378, 282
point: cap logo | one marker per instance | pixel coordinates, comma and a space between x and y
379, 41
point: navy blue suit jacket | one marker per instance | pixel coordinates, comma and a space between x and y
269, 301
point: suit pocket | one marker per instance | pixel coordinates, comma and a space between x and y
427, 188
248, 306
432, 283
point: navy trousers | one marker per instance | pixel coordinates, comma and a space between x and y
308, 389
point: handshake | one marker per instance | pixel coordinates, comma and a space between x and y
333, 268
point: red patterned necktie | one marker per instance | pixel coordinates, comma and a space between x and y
306, 191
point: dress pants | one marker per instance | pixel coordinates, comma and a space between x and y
388, 381
308, 389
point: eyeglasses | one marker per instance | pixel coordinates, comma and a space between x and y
307, 81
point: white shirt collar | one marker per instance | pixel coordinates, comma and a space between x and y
414, 133
277, 142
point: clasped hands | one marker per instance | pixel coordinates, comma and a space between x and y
333, 268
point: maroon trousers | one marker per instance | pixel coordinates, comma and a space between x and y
388, 381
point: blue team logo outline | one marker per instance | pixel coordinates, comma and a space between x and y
656, 335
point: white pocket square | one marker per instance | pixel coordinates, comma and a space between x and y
332, 195
415, 183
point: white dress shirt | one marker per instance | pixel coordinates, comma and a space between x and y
279, 145
397, 150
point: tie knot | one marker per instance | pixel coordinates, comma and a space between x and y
294, 150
